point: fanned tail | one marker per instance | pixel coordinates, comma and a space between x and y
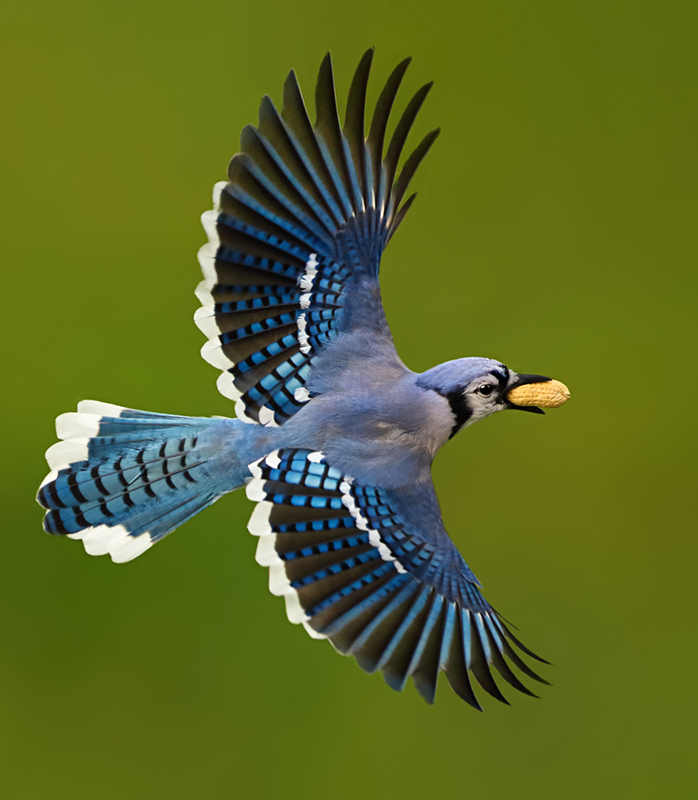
122, 479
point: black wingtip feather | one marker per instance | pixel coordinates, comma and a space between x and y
295, 113
355, 117
457, 671
379, 123
325, 98
411, 166
480, 668
397, 141
522, 646
518, 662
327, 177
503, 668
398, 218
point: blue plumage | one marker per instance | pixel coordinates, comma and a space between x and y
335, 436
124, 479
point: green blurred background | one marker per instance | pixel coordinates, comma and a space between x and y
554, 231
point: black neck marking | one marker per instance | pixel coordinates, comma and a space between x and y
459, 408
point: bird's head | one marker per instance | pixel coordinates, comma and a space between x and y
479, 387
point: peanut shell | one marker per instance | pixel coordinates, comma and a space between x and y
549, 394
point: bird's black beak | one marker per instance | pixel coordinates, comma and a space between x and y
522, 380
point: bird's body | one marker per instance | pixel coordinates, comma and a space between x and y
335, 436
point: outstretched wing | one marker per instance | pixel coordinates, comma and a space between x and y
296, 237
374, 572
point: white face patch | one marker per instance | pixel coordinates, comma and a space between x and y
481, 407
480, 404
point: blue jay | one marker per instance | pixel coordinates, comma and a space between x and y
335, 436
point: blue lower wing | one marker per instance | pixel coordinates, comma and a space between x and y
354, 570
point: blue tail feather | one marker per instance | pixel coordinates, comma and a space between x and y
123, 479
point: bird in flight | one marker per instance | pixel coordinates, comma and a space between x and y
334, 436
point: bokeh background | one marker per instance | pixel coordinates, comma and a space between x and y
555, 231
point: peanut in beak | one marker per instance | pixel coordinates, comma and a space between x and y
550, 394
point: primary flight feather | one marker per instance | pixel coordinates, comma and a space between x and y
335, 436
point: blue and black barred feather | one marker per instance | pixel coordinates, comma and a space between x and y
130, 481
355, 571
306, 213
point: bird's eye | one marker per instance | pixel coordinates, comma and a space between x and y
485, 390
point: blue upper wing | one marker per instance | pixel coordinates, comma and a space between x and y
296, 236
374, 572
